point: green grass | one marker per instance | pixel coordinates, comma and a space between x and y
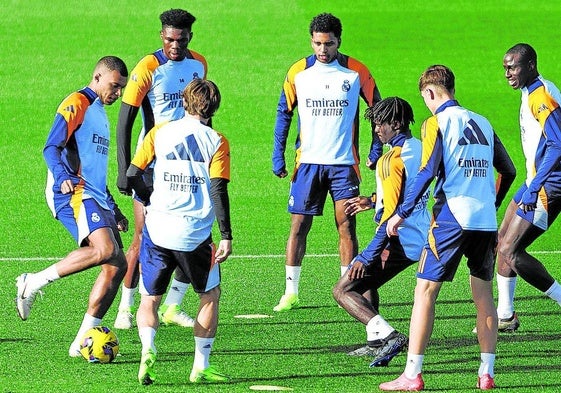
49, 49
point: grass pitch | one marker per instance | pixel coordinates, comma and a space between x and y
49, 50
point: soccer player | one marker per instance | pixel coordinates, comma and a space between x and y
76, 153
537, 202
385, 256
191, 174
460, 149
155, 87
325, 88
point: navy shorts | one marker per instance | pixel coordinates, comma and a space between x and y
547, 208
383, 265
157, 264
85, 217
447, 243
311, 183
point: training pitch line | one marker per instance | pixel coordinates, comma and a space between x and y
234, 256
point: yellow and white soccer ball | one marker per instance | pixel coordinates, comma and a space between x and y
99, 345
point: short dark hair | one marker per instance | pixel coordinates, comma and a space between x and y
114, 63
178, 18
438, 75
326, 23
389, 110
201, 97
526, 52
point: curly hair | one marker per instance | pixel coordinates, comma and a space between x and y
326, 23
180, 19
389, 110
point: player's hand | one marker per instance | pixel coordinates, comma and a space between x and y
527, 207
123, 225
223, 251
122, 221
528, 202
66, 187
282, 173
393, 223
371, 165
356, 271
357, 204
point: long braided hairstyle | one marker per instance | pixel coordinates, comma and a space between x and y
390, 110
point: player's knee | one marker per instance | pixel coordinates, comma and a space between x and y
507, 254
107, 251
336, 292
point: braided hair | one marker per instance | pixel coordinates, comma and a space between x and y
390, 110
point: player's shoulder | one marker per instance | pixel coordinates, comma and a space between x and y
351, 62
77, 101
301, 64
197, 56
150, 61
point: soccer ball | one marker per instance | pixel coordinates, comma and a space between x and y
99, 345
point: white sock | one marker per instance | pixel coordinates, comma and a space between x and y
292, 279
40, 279
414, 365
147, 336
378, 329
487, 364
554, 292
203, 346
505, 287
87, 323
176, 292
344, 270
127, 297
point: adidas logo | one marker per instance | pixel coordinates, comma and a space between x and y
189, 150
473, 135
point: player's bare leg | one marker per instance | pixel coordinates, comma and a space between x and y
300, 226
205, 331
346, 227
487, 321
102, 250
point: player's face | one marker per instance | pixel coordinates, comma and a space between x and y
110, 85
518, 72
175, 42
385, 131
325, 46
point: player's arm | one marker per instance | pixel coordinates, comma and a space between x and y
288, 101
122, 221
376, 146
430, 161
370, 94
221, 203
56, 141
282, 126
550, 120
143, 157
505, 169
127, 115
219, 179
65, 124
136, 181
